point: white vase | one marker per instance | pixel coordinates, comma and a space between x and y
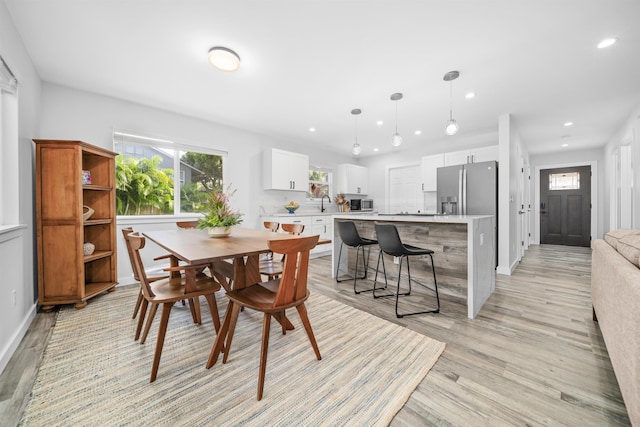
89, 248
219, 231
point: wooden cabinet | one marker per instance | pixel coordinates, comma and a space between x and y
474, 155
284, 170
352, 179
66, 275
429, 169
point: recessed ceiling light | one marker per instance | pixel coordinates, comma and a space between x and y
567, 124
565, 145
379, 122
376, 149
470, 95
312, 129
224, 58
606, 43
418, 132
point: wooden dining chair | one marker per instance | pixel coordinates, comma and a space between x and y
187, 224
167, 291
151, 278
296, 229
271, 298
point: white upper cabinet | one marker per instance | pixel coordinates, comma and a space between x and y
429, 169
352, 179
474, 155
284, 170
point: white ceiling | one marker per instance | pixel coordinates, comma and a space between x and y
307, 63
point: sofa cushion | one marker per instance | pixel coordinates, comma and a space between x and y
612, 237
629, 247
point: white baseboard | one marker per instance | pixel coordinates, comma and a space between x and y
17, 338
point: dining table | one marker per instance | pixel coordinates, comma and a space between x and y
233, 260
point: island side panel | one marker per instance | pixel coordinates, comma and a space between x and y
482, 274
447, 240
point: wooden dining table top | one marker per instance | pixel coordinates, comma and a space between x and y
195, 246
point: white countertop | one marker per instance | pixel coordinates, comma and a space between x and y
311, 213
461, 219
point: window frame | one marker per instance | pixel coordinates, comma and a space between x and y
329, 173
177, 146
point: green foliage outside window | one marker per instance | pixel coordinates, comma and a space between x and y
142, 187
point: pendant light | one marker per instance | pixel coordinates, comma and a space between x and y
396, 140
452, 126
356, 147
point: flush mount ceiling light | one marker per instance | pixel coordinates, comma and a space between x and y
452, 126
224, 59
356, 147
606, 43
396, 140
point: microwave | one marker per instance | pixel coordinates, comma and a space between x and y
361, 204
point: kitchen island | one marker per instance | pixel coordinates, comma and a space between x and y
464, 249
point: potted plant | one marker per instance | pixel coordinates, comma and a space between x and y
220, 216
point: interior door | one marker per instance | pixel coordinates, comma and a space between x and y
565, 206
405, 189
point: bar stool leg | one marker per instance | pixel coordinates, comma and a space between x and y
433, 268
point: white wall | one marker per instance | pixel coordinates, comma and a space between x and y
72, 114
629, 131
17, 240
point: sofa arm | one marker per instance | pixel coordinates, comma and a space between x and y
615, 295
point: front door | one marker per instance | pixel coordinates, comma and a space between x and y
565, 206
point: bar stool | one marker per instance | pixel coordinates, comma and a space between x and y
390, 244
350, 237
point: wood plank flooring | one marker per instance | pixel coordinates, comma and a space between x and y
533, 356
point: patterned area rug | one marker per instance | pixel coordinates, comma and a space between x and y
94, 373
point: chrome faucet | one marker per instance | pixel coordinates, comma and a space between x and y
322, 208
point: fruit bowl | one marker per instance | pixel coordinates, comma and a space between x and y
291, 208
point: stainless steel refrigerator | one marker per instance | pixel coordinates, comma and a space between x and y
470, 189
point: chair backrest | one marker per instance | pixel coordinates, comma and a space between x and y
271, 225
349, 233
136, 241
187, 224
389, 239
295, 229
126, 231
293, 282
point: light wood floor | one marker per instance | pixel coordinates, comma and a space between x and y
533, 356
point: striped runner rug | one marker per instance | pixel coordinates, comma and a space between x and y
93, 372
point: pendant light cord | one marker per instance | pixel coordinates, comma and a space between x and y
396, 116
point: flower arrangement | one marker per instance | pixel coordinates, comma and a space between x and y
220, 212
341, 200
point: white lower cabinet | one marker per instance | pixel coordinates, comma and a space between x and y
319, 224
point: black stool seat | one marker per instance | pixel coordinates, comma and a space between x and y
390, 244
350, 237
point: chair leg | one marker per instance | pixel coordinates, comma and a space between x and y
302, 311
213, 309
266, 326
138, 303
162, 331
218, 344
143, 312
232, 328
375, 279
147, 326
433, 268
338, 267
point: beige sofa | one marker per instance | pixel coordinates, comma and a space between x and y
615, 295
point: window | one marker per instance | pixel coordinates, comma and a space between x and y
319, 183
564, 181
9, 198
145, 171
